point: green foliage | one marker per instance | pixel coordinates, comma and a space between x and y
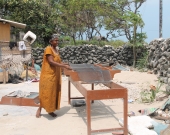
133, 18
115, 44
133, 21
142, 62
75, 18
157, 89
36, 14
36, 44
140, 39
78, 42
65, 38
148, 96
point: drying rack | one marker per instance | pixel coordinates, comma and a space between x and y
91, 74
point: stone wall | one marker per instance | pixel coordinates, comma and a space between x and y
158, 56
159, 59
92, 54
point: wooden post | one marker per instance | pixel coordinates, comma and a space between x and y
4, 76
27, 71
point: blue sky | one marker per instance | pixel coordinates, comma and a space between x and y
150, 15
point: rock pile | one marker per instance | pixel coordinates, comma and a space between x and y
37, 54
93, 54
159, 59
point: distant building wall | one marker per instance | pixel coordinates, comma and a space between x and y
4, 31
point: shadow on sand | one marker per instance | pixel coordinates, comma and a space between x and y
59, 113
98, 111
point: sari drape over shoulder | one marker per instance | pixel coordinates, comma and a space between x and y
50, 83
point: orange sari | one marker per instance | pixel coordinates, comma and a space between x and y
50, 83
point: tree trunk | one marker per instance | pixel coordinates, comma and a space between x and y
134, 46
74, 39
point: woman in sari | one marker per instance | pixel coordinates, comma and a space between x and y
50, 79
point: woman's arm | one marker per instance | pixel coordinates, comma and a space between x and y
64, 63
53, 63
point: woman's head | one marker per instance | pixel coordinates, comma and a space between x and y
54, 40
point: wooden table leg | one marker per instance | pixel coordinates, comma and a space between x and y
88, 110
69, 90
125, 102
4, 76
27, 71
92, 87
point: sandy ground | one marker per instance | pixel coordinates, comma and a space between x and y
21, 120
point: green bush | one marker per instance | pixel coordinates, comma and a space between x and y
36, 44
116, 43
142, 62
113, 43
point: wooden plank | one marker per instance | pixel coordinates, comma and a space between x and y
5, 50
4, 76
107, 94
5, 31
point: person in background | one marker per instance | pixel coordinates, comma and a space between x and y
50, 79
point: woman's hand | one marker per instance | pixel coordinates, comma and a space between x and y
67, 67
